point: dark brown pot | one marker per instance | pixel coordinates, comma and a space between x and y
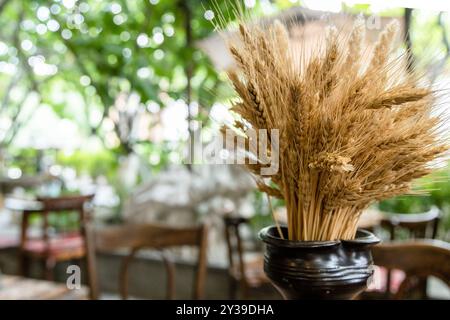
318, 269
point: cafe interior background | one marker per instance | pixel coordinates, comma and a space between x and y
99, 104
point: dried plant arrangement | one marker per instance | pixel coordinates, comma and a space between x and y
350, 132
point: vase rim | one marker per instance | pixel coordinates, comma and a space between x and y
271, 236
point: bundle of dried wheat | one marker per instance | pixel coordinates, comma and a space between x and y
350, 132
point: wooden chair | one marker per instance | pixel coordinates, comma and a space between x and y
417, 226
418, 259
57, 247
247, 273
151, 236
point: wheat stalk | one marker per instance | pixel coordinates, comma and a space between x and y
349, 134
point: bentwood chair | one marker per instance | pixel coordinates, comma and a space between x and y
413, 226
245, 271
418, 226
53, 245
135, 237
418, 259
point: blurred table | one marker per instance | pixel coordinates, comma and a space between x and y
19, 288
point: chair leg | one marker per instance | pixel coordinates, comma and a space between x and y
232, 288
24, 265
49, 268
422, 288
388, 292
91, 278
244, 290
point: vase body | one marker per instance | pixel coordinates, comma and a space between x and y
318, 269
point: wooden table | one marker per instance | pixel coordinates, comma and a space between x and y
19, 288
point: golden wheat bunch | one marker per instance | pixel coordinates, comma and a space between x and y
351, 132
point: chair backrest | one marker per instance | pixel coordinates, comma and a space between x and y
56, 205
418, 259
234, 243
419, 226
152, 236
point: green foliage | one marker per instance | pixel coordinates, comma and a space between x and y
437, 192
406, 204
25, 159
427, 45
437, 188
366, 9
97, 54
263, 217
103, 48
95, 164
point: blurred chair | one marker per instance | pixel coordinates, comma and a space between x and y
244, 270
417, 259
10, 241
151, 236
416, 226
53, 247
8, 237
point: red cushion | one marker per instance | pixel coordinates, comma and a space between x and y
380, 279
58, 244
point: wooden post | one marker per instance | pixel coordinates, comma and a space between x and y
408, 42
188, 72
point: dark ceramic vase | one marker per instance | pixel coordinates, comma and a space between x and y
318, 269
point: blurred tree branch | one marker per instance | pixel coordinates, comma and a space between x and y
6, 96
16, 123
438, 67
3, 5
